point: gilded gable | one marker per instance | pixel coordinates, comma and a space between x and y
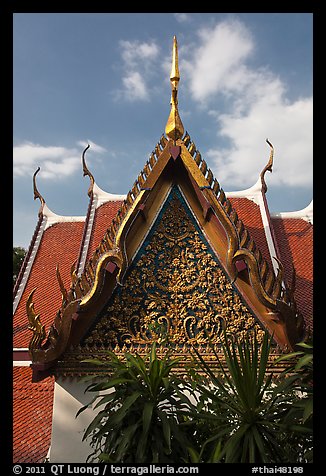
175, 284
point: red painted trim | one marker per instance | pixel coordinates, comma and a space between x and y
21, 355
240, 265
175, 151
111, 267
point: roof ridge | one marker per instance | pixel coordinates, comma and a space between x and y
305, 213
272, 282
27, 264
53, 218
108, 240
268, 285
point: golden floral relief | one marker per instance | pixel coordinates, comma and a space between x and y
175, 287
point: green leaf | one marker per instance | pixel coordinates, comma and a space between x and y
119, 415
264, 355
108, 384
166, 430
234, 445
126, 440
300, 429
260, 444
154, 376
308, 411
288, 356
166, 382
105, 458
216, 455
306, 359
194, 455
105, 399
142, 444
94, 424
147, 416
304, 345
153, 352
86, 406
284, 385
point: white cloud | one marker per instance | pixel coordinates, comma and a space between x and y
54, 161
134, 86
217, 63
134, 52
182, 17
257, 109
288, 127
138, 65
93, 147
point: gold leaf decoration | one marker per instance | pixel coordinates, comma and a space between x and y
175, 285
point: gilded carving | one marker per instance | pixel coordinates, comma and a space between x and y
175, 285
176, 282
35, 325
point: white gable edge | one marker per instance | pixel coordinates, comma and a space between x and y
304, 214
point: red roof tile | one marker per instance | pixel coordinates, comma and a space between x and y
249, 212
32, 416
59, 245
102, 220
295, 242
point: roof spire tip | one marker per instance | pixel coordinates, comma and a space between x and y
174, 128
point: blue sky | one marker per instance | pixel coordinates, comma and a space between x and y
103, 78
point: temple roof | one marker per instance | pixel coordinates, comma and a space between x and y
77, 266
294, 237
48, 255
32, 416
80, 235
264, 245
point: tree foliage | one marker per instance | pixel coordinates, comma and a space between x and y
18, 258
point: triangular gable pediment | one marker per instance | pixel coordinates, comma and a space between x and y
179, 164
176, 286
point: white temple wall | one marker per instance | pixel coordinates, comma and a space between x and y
67, 430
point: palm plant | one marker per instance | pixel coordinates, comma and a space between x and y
138, 423
232, 412
245, 413
298, 381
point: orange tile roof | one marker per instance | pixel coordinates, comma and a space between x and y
32, 416
249, 212
104, 215
295, 241
59, 245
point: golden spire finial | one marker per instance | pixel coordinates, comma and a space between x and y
175, 75
174, 128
